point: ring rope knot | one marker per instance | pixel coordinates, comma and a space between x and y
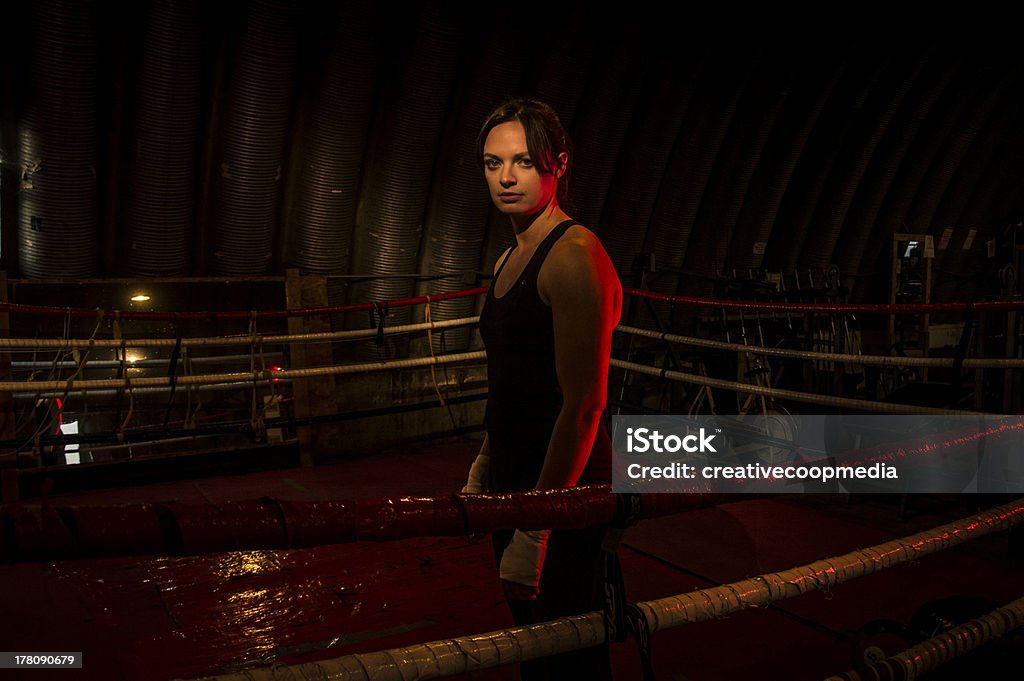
381, 311
123, 345
256, 421
253, 338
430, 344
621, 617
256, 344
82, 360
131, 408
172, 365
123, 359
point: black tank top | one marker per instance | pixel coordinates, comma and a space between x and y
524, 398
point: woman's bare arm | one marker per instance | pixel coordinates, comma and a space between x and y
579, 282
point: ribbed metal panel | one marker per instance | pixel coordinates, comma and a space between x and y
717, 137
58, 200
558, 79
944, 141
329, 148
894, 216
847, 174
399, 168
162, 210
691, 164
457, 225
827, 146
605, 116
772, 67
892, 153
255, 129
645, 154
973, 186
940, 175
757, 221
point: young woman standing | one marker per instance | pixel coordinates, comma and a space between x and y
547, 327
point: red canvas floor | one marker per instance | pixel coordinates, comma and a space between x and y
156, 618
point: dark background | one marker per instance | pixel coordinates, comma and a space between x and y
239, 138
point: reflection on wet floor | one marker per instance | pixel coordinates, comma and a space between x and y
151, 618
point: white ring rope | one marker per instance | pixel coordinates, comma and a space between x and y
158, 381
200, 379
104, 392
949, 645
706, 604
438, 659
872, 360
219, 379
460, 655
809, 398
323, 337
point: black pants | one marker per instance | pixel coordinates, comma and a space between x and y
570, 584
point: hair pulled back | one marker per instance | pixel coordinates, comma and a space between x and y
546, 139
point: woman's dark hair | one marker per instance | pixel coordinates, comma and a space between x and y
545, 137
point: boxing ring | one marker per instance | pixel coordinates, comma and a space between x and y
52, 531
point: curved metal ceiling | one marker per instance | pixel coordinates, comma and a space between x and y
340, 140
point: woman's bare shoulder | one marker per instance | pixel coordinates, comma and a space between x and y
578, 248
577, 261
581, 235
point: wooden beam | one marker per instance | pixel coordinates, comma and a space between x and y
311, 397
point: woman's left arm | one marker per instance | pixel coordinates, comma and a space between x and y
579, 282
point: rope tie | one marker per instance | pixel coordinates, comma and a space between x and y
430, 344
131, 408
381, 311
253, 337
190, 389
621, 617
83, 359
122, 356
256, 421
55, 416
172, 367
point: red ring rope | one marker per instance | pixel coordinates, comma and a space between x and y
984, 306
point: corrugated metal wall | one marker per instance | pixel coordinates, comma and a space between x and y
181, 138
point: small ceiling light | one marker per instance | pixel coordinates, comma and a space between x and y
140, 298
132, 357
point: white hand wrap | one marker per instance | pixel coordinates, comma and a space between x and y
523, 559
476, 483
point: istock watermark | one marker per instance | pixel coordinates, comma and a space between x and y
652, 441
814, 453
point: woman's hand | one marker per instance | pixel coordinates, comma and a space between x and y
476, 481
522, 562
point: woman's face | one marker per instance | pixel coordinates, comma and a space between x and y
517, 187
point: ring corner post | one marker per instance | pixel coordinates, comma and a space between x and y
312, 397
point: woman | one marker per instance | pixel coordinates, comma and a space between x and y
547, 327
